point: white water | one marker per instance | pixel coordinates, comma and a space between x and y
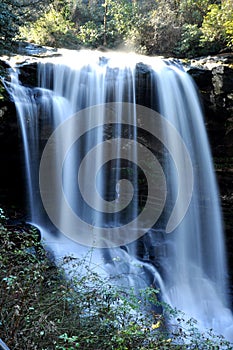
188, 264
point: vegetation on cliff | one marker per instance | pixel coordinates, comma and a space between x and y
181, 28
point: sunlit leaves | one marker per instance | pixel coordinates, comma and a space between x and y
51, 29
217, 25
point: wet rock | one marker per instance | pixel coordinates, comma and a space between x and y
222, 79
214, 79
202, 77
11, 178
28, 74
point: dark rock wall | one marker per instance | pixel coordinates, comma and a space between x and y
11, 156
214, 78
215, 83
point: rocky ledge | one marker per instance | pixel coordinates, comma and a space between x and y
214, 78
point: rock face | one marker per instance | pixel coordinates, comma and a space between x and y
12, 179
214, 79
11, 175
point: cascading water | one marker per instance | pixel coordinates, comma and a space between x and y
136, 185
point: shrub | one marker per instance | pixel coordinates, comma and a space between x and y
9, 22
167, 27
217, 27
51, 29
189, 44
90, 34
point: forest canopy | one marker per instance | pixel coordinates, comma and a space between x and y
169, 27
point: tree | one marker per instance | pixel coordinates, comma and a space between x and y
217, 27
52, 29
113, 23
9, 22
193, 11
178, 25
128, 23
167, 26
13, 13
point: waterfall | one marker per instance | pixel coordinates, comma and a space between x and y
117, 160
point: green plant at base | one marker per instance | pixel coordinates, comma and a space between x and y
45, 307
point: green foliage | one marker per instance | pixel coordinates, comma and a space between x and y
177, 26
189, 44
13, 13
52, 29
181, 28
113, 24
193, 11
2, 91
40, 309
217, 27
167, 27
8, 22
122, 18
90, 35
128, 25
83, 12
